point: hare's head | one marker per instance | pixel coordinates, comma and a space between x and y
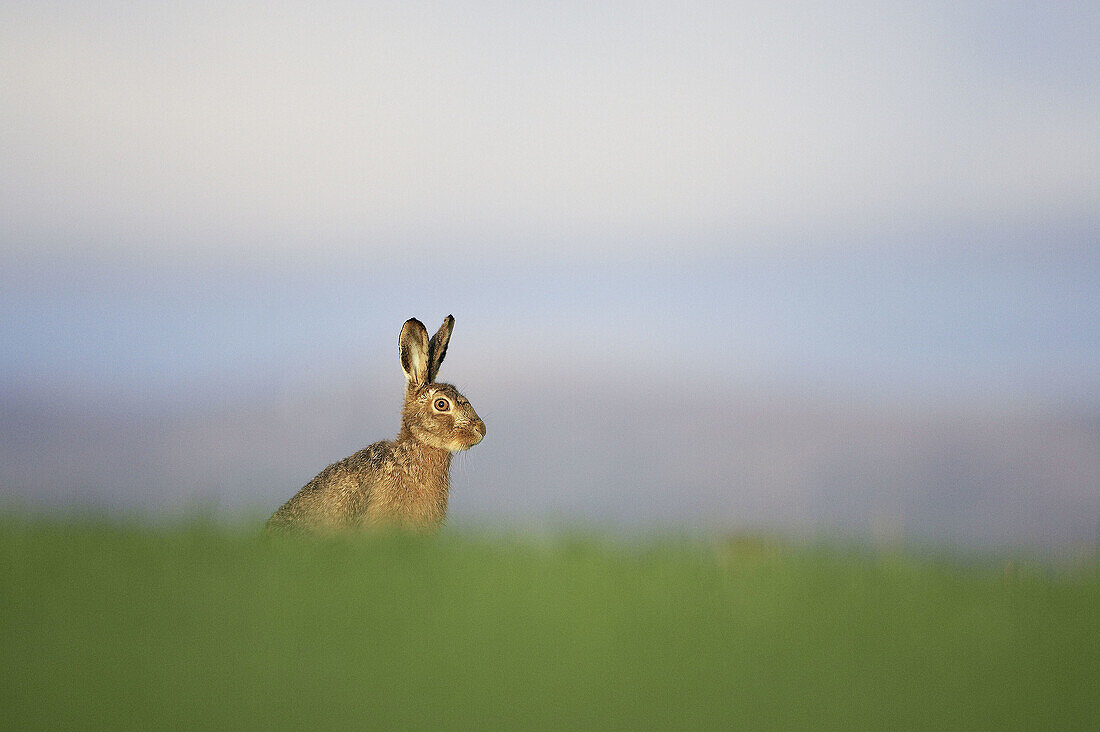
434, 414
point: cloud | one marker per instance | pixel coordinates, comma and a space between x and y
259, 129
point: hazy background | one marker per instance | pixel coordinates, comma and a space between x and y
733, 266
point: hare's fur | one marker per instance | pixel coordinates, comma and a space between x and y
402, 482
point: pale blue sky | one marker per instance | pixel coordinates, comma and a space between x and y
833, 188
1022, 323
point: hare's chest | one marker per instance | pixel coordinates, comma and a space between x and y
403, 500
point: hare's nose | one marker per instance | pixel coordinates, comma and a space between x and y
479, 426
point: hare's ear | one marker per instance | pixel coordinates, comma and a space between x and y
437, 348
413, 347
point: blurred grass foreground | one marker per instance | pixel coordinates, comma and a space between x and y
110, 625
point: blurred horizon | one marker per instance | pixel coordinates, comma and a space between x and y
851, 253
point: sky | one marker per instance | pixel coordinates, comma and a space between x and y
221, 214
271, 130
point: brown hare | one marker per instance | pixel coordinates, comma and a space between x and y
404, 482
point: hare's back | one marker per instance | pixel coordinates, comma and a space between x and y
337, 496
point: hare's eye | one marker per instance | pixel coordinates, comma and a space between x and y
442, 405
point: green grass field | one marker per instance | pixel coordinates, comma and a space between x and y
109, 625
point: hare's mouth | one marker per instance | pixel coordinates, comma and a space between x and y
466, 438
